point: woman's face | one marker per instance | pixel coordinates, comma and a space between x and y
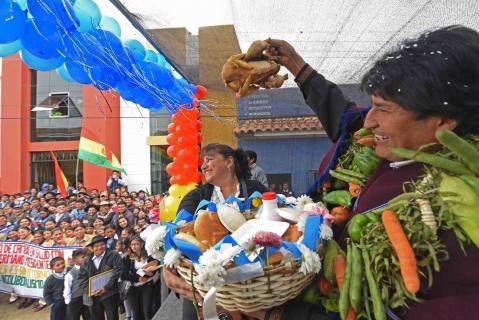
23, 234
24, 223
13, 235
148, 203
38, 238
215, 166
97, 222
136, 246
47, 235
122, 222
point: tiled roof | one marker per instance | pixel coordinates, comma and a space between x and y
278, 125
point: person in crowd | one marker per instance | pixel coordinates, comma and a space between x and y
257, 173
127, 233
286, 190
50, 224
47, 238
60, 213
75, 223
25, 234
53, 289
115, 181
58, 239
105, 300
136, 269
123, 210
38, 237
226, 173
80, 238
123, 249
100, 231
35, 208
142, 195
91, 215
111, 236
105, 213
13, 234
79, 211
123, 223
73, 292
5, 226
4, 200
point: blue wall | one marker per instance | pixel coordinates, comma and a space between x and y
297, 156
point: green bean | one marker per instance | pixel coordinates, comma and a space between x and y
366, 300
344, 291
352, 173
356, 277
345, 178
378, 306
461, 148
431, 159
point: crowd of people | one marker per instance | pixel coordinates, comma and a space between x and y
85, 219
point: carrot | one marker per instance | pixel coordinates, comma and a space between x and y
367, 141
339, 264
403, 249
354, 189
351, 314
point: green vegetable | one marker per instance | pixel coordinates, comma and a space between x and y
461, 148
312, 296
473, 182
356, 226
378, 306
366, 160
431, 159
345, 177
464, 203
338, 197
352, 173
344, 291
356, 277
373, 216
332, 250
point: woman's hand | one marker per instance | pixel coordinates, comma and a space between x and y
180, 286
287, 55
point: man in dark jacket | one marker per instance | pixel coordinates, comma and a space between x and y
105, 300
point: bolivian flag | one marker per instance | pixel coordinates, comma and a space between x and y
62, 182
92, 151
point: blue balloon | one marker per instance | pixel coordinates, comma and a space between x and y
78, 71
63, 73
40, 64
10, 48
88, 13
161, 60
110, 24
136, 47
12, 21
45, 45
22, 4
151, 56
59, 11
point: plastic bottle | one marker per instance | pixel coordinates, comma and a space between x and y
268, 212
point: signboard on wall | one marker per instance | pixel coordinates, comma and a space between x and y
287, 102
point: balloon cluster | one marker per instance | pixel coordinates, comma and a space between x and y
83, 46
184, 139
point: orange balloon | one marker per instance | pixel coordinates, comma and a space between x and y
200, 92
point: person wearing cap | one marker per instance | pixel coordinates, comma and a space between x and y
27, 196
105, 213
105, 300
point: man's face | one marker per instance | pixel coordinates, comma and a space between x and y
104, 209
59, 266
79, 206
128, 201
121, 208
79, 233
13, 235
91, 211
26, 206
64, 225
395, 127
3, 221
57, 236
35, 203
4, 199
49, 224
38, 238
99, 248
109, 233
80, 259
61, 209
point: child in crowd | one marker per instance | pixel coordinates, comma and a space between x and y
53, 289
111, 236
47, 238
73, 293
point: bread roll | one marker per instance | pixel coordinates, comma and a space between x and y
209, 229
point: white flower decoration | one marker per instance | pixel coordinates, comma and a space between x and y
301, 224
302, 201
325, 232
291, 200
155, 242
317, 208
310, 260
210, 267
172, 258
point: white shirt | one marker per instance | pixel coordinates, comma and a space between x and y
217, 196
67, 291
97, 260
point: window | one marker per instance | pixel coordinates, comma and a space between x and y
57, 108
159, 177
44, 171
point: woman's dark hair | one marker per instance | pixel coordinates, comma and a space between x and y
239, 156
436, 74
143, 253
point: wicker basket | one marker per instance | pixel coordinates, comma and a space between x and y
279, 285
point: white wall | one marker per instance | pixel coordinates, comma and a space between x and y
135, 153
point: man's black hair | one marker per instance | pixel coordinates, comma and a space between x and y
55, 260
252, 155
78, 252
436, 74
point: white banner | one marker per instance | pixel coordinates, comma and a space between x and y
24, 267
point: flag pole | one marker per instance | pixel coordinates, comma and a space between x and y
76, 172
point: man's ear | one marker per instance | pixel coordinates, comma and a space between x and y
447, 123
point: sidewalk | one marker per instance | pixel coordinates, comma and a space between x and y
10, 311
